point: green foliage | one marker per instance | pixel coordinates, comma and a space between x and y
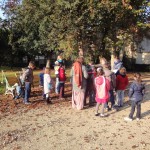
39, 26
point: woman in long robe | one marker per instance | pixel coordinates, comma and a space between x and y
79, 76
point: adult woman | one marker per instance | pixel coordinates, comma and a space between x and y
79, 76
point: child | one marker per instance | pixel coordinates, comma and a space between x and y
41, 78
102, 91
27, 80
136, 93
112, 79
19, 86
17, 91
47, 85
56, 68
117, 65
90, 88
121, 84
41, 81
60, 59
62, 79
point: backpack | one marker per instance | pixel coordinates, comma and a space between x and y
61, 74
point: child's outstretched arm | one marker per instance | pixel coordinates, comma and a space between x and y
131, 90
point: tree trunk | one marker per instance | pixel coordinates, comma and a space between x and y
48, 63
112, 58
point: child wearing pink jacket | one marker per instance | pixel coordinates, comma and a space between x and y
102, 86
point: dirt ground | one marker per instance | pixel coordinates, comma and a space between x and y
59, 127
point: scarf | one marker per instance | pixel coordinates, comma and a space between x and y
78, 73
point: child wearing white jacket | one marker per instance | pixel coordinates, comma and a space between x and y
47, 85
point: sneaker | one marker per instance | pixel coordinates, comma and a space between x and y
114, 109
49, 102
91, 104
103, 115
107, 109
27, 103
127, 119
137, 119
96, 114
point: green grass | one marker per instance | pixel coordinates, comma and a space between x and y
2, 88
10, 74
5, 68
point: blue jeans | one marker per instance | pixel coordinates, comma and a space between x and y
91, 97
112, 98
120, 97
19, 92
61, 90
27, 91
133, 105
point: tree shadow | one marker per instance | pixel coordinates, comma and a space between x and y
145, 114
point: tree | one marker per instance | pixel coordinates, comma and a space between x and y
98, 27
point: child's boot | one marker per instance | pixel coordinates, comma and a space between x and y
48, 101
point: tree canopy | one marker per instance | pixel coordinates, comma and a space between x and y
96, 26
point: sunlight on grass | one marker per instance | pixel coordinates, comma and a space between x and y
10, 74
2, 88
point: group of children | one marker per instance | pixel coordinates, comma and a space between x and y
46, 82
104, 92
102, 86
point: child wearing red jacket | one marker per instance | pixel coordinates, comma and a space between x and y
121, 84
62, 79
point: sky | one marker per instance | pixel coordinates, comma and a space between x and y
1, 14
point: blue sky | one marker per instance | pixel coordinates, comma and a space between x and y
1, 14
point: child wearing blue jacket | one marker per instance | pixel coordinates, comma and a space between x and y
136, 93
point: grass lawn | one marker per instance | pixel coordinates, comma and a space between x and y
10, 74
